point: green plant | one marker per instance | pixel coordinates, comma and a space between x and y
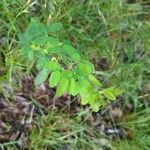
70, 72
73, 134
138, 123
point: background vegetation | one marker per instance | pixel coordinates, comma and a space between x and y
113, 34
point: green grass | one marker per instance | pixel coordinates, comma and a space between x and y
113, 29
58, 130
139, 124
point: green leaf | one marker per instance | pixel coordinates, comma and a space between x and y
88, 63
53, 42
54, 27
111, 93
67, 73
55, 78
72, 52
94, 81
62, 87
40, 40
84, 88
72, 86
76, 89
117, 91
76, 57
83, 69
108, 93
31, 55
41, 77
53, 65
68, 48
95, 101
95, 106
54, 50
84, 101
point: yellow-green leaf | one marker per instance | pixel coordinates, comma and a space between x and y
67, 73
84, 101
55, 78
62, 87
72, 86
93, 80
95, 102
109, 94
76, 90
83, 86
53, 65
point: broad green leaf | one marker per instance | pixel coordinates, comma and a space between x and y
53, 65
41, 77
85, 91
76, 90
95, 102
84, 83
54, 50
76, 57
54, 78
53, 42
93, 80
54, 27
88, 63
72, 86
62, 87
83, 69
40, 40
95, 106
72, 52
67, 73
84, 88
101, 100
68, 48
